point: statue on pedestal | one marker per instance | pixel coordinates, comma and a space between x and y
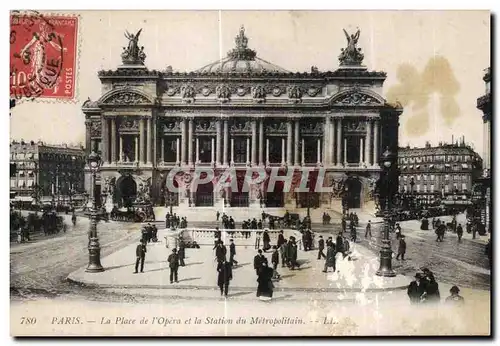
351, 55
131, 54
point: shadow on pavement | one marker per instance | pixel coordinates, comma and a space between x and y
189, 279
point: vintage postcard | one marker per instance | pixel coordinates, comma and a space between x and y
250, 173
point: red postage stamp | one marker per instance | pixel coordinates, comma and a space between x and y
43, 57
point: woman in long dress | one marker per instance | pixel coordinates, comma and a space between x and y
265, 285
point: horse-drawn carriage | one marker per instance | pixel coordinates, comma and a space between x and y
136, 213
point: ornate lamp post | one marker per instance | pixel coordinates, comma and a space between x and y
385, 268
94, 162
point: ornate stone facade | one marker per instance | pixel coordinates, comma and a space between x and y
241, 112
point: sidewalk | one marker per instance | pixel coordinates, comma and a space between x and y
200, 271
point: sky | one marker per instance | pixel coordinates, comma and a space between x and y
434, 60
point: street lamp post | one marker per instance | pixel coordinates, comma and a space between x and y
385, 268
94, 162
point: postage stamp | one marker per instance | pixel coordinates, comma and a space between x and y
43, 58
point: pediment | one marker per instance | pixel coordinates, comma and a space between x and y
357, 97
125, 97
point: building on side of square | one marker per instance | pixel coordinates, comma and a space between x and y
434, 173
42, 172
241, 112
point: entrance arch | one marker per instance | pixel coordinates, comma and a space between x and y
126, 191
353, 193
204, 195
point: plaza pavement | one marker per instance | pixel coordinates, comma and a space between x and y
200, 272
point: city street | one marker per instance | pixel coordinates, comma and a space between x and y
464, 264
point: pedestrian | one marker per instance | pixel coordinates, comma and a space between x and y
173, 263
266, 240
368, 231
330, 258
398, 231
149, 230
432, 288
281, 239
232, 252
257, 238
217, 215
283, 252
73, 219
339, 243
292, 254
225, 275
182, 253
401, 248
258, 260
321, 247
144, 233
344, 224
416, 289
220, 252
275, 261
487, 251
309, 240
140, 253
460, 232
345, 247
454, 297
353, 232
265, 285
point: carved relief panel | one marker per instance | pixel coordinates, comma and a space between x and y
241, 126
128, 124
205, 126
95, 128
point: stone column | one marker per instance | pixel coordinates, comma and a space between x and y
113, 140
162, 149
345, 151
232, 151
326, 141
368, 143
361, 150
254, 142
177, 153
289, 125
212, 153
226, 144
376, 144
104, 140
142, 157
261, 142
282, 150
154, 141
136, 148
88, 136
183, 141
120, 149
303, 153
197, 150
190, 142
267, 151
338, 161
297, 143
217, 144
248, 151
148, 140
319, 151
331, 142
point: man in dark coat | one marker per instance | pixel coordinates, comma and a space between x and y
217, 215
265, 285
220, 252
173, 263
339, 242
232, 252
460, 232
182, 253
344, 224
284, 252
308, 245
416, 289
275, 260
281, 239
140, 253
225, 274
321, 247
368, 231
354, 234
292, 254
266, 240
487, 250
401, 248
330, 258
258, 260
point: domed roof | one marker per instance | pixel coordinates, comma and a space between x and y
241, 59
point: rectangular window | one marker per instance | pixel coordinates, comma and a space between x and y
274, 149
425, 188
447, 177
446, 188
432, 187
240, 150
405, 178
425, 177
13, 183
432, 177
311, 151
205, 147
464, 186
170, 154
418, 187
418, 177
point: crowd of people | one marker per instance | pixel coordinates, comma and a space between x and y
46, 222
425, 290
175, 221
